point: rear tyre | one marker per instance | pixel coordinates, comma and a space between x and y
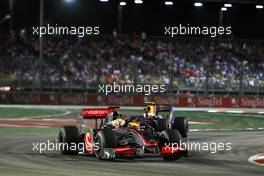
69, 139
181, 124
162, 124
105, 138
170, 137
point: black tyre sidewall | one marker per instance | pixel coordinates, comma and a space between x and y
105, 138
171, 137
162, 124
69, 135
181, 124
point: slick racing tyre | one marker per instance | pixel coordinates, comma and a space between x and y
170, 137
162, 124
105, 138
69, 139
181, 124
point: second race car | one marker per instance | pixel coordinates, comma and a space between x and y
154, 133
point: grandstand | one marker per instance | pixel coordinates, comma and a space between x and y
198, 66
136, 52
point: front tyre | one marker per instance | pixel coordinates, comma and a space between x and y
105, 139
162, 124
181, 124
69, 139
171, 137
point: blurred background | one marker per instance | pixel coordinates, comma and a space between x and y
132, 47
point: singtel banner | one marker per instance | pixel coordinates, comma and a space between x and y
125, 100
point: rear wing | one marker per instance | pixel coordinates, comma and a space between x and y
163, 108
152, 107
95, 113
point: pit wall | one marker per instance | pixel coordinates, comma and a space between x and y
123, 100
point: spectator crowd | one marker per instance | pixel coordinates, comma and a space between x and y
182, 63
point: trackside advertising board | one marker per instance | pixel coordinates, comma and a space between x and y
122, 100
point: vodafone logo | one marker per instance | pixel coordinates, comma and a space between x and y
95, 112
88, 143
257, 159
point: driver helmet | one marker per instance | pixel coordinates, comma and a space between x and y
115, 115
149, 115
118, 123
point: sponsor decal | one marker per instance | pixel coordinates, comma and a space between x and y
119, 100
132, 100
212, 101
25, 98
73, 99
257, 159
88, 143
252, 102
95, 112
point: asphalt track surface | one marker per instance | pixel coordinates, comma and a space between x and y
17, 158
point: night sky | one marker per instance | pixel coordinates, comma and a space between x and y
151, 17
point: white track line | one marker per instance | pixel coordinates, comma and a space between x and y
47, 116
39, 119
235, 112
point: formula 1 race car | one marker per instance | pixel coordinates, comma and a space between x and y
153, 134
